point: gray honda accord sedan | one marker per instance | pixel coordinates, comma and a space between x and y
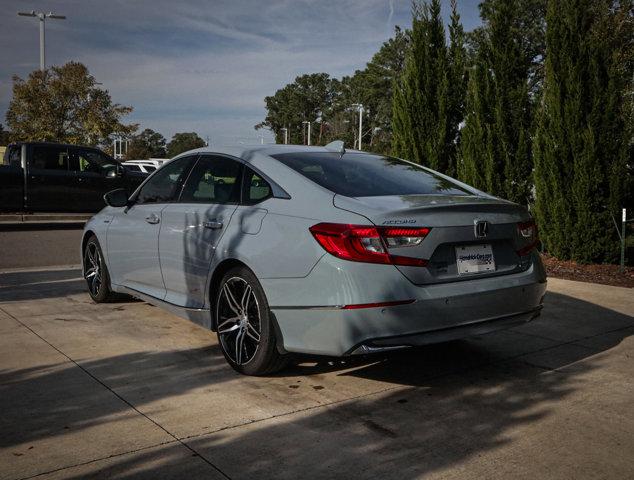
285, 248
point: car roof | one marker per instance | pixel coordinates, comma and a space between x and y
244, 151
55, 144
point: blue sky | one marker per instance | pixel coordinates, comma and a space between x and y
204, 66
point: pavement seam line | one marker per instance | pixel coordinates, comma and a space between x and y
88, 462
206, 460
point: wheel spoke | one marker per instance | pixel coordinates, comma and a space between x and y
239, 344
246, 296
231, 301
253, 333
233, 327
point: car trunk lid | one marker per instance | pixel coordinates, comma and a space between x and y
453, 235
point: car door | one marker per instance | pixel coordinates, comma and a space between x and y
133, 235
193, 226
95, 175
49, 179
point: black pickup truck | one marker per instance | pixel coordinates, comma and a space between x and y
53, 177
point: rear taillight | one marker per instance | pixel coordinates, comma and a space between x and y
361, 243
527, 232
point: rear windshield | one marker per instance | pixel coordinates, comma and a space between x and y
364, 175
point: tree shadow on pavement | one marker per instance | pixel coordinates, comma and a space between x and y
429, 408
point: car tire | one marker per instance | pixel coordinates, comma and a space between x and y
244, 325
96, 273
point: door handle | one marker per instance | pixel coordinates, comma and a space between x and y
213, 224
153, 219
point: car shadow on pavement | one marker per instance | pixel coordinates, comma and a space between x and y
18, 286
425, 409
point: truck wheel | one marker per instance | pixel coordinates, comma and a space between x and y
244, 325
96, 273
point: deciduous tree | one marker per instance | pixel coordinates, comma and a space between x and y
146, 144
64, 104
181, 142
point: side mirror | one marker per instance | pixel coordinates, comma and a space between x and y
116, 198
115, 172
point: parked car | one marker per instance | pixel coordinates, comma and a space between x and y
53, 177
284, 249
136, 166
157, 162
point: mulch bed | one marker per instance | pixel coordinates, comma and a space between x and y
605, 274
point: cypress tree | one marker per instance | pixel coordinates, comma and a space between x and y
421, 109
496, 139
583, 137
475, 166
457, 85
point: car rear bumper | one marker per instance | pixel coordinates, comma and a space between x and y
438, 312
445, 334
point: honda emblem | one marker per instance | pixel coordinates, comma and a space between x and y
480, 228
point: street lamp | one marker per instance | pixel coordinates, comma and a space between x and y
42, 16
285, 130
304, 122
359, 106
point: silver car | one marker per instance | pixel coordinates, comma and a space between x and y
284, 248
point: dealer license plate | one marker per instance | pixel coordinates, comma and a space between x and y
475, 259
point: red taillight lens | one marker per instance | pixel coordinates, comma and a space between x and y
527, 231
361, 243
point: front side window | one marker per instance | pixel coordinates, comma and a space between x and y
47, 157
213, 180
92, 161
367, 175
165, 185
256, 188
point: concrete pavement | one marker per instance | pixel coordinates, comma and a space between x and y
126, 390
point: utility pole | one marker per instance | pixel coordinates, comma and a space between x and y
307, 122
359, 106
42, 17
285, 130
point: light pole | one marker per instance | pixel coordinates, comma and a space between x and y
306, 121
359, 106
42, 16
285, 130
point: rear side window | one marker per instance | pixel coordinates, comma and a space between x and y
13, 156
256, 188
47, 157
213, 180
366, 175
166, 184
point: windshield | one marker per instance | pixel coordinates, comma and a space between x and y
366, 175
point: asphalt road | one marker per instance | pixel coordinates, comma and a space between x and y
26, 246
125, 390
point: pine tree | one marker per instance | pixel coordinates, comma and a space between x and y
583, 138
421, 122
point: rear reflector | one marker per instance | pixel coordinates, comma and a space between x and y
363, 243
376, 305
